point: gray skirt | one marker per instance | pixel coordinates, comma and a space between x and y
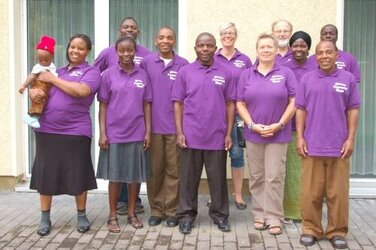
124, 162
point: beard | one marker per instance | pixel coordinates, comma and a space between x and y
282, 43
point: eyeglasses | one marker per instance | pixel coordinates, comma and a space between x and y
230, 33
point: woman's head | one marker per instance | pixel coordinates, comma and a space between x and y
266, 48
126, 50
300, 43
228, 34
78, 48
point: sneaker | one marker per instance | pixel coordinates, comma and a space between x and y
122, 209
32, 121
139, 208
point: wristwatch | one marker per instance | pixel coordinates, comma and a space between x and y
250, 126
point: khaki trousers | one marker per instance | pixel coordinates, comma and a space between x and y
325, 177
163, 185
267, 170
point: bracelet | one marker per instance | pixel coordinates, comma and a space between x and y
250, 126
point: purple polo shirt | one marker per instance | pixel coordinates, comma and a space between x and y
236, 64
68, 115
287, 57
345, 61
326, 98
266, 98
299, 70
161, 80
125, 95
204, 92
108, 57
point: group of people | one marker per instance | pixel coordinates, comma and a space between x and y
162, 119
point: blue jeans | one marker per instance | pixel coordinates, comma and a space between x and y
236, 152
123, 196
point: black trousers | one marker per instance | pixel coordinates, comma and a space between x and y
191, 165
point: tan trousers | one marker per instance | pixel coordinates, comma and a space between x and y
325, 177
37, 108
163, 185
267, 170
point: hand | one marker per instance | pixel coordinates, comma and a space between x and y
180, 140
301, 147
228, 142
46, 77
21, 89
103, 142
147, 141
37, 95
271, 130
347, 148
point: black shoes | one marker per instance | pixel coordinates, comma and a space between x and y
154, 221
171, 221
223, 225
83, 229
307, 240
185, 227
338, 242
44, 231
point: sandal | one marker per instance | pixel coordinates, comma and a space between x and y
240, 205
113, 225
259, 224
135, 222
275, 229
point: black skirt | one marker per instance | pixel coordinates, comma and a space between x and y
62, 165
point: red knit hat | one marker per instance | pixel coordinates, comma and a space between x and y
47, 43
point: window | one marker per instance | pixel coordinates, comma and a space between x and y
62, 19
359, 39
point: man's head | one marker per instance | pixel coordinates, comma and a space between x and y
282, 30
165, 41
326, 55
329, 32
128, 27
205, 48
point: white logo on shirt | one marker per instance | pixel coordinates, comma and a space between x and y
172, 74
139, 83
137, 59
219, 80
340, 65
239, 63
340, 87
276, 78
76, 73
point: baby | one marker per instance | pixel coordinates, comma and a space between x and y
45, 55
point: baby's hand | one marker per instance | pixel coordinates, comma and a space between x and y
21, 89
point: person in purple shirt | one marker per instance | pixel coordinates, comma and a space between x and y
265, 101
62, 162
107, 58
125, 130
346, 61
235, 61
300, 43
163, 68
328, 104
204, 106
282, 30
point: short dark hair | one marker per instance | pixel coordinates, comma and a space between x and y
125, 38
